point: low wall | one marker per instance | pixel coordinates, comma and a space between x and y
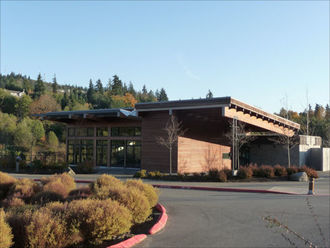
200, 156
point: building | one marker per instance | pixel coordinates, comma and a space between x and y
15, 93
128, 137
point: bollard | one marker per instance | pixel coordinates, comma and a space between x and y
311, 186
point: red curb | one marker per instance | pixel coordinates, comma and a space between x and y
129, 242
223, 189
161, 221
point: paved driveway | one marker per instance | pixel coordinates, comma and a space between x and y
222, 219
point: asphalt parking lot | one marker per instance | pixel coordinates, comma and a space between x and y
222, 219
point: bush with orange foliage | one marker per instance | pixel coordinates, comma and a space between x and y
61, 184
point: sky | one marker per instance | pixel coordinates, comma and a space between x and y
268, 54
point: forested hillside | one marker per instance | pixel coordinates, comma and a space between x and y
21, 133
43, 96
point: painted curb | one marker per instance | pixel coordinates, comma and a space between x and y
161, 221
129, 242
223, 189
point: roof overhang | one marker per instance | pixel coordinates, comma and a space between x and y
66, 116
231, 108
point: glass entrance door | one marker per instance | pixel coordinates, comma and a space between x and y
118, 153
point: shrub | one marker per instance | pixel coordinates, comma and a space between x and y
213, 174
12, 202
61, 184
6, 182
80, 193
155, 174
103, 184
99, 220
7, 162
228, 172
266, 171
140, 174
309, 171
6, 237
244, 172
150, 192
45, 197
132, 198
47, 230
86, 167
24, 188
291, 170
280, 171
222, 176
18, 219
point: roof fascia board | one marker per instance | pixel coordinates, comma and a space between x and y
184, 108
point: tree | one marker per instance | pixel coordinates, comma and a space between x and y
52, 141
90, 91
209, 94
162, 96
99, 86
173, 130
7, 128
288, 141
319, 112
117, 86
44, 104
54, 85
39, 87
22, 107
238, 136
23, 136
131, 89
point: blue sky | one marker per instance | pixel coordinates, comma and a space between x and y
257, 52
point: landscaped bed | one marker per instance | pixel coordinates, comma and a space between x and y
54, 213
245, 174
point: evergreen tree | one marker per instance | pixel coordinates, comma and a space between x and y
90, 91
209, 94
144, 90
54, 85
131, 89
162, 95
117, 86
39, 87
99, 86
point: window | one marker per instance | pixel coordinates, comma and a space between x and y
71, 132
118, 153
101, 152
133, 154
125, 131
85, 132
226, 155
102, 132
86, 148
70, 151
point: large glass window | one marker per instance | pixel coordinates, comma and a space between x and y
86, 150
71, 151
101, 152
118, 153
102, 132
133, 154
125, 131
71, 132
85, 132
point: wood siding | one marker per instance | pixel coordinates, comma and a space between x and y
155, 156
200, 156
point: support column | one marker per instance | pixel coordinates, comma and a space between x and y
94, 148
